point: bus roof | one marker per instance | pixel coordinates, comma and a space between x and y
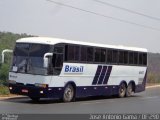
52, 41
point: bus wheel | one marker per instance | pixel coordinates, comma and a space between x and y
129, 90
68, 94
35, 99
122, 90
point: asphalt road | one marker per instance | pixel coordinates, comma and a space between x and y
145, 102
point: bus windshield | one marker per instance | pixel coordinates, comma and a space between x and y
28, 58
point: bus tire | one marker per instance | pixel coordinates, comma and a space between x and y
69, 93
35, 99
129, 90
122, 90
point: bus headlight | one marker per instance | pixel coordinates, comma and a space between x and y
41, 92
10, 88
41, 85
12, 82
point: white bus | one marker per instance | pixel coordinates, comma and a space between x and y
58, 68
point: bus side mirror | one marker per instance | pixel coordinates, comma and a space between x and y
46, 59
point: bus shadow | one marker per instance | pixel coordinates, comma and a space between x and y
26, 100
95, 98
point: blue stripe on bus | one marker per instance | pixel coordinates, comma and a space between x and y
107, 75
102, 75
97, 75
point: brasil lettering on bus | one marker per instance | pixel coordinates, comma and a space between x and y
73, 69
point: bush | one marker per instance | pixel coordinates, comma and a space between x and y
4, 70
4, 90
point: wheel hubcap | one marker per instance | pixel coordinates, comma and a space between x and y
122, 90
129, 89
68, 94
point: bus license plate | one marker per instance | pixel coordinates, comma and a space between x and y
24, 91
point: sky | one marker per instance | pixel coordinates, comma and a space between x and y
111, 25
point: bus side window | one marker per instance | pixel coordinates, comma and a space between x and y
57, 59
54, 60
71, 52
90, 54
103, 55
66, 53
125, 57
109, 56
131, 58
76, 53
140, 59
58, 49
144, 59
115, 56
121, 57
135, 58
97, 55
83, 53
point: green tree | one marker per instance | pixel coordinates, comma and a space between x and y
7, 41
4, 70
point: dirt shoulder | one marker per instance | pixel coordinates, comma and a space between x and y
3, 97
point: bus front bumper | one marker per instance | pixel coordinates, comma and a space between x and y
33, 91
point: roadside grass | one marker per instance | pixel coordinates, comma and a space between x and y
4, 91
